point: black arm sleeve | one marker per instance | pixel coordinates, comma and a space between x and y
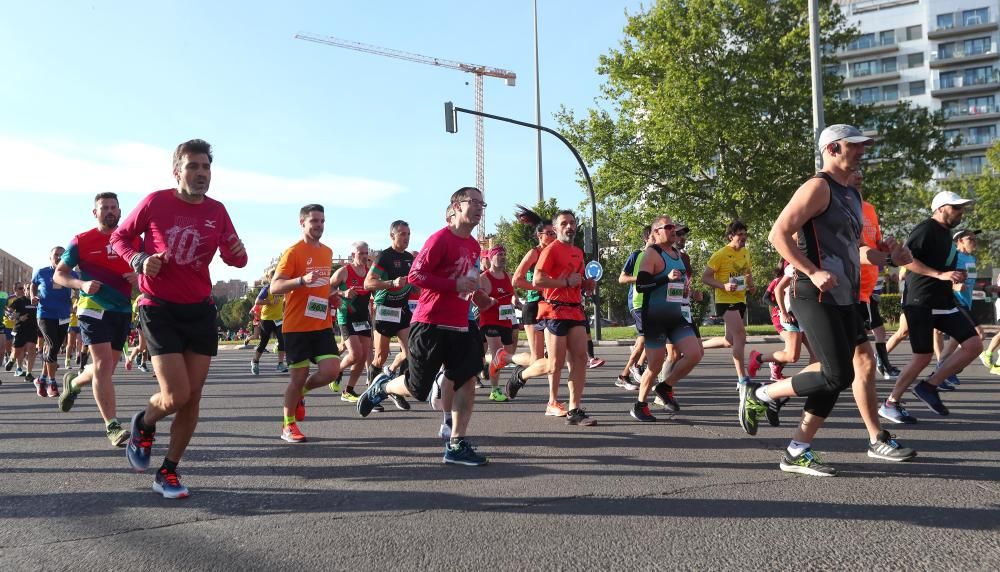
645, 283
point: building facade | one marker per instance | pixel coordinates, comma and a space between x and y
229, 290
12, 270
938, 54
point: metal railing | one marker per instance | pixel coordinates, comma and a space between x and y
949, 82
959, 22
959, 52
970, 110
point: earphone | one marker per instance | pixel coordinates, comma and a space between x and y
835, 148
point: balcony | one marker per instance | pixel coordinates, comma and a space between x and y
964, 113
959, 56
965, 167
872, 75
962, 85
963, 26
868, 46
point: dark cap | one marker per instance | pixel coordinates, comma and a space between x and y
964, 233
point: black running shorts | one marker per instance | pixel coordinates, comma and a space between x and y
432, 346
506, 335
923, 321
112, 327
176, 328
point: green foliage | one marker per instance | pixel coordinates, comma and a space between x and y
235, 313
519, 238
890, 306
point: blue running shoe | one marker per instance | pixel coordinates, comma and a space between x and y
168, 484
946, 386
462, 453
373, 396
896, 413
953, 379
929, 395
140, 444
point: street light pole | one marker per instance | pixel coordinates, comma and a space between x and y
451, 126
538, 110
817, 79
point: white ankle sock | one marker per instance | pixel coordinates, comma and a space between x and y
795, 448
762, 395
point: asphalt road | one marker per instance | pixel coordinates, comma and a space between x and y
691, 491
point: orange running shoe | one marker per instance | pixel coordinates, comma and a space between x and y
500, 360
292, 434
555, 409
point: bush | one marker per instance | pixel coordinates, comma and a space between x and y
890, 307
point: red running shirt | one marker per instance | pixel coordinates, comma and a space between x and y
501, 313
444, 259
558, 261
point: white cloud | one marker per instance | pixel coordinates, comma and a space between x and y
67, 167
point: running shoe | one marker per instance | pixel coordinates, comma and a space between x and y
463, 453
886, 448
595, 362
479, 383
40, 387
631, 385
953, 379
514, 382
636, 374
66, 362
946, 386
68, 397
986, 358
756, 360
377, 409
146, 367
9, 365
896, 413
400, 402
388, 371
28, 378
281, 367
140, 444
291, 434
255, 368
444, 432
334, 386
621, 381
893, 371
885, 372
500, 360
53, 388
929, 395
437, 393
640, 412
773, 412
777, 371
995, 370
665, 393
497, 395
300, 409
168, 484
349, 396
116, 434
555, 409
579, 417
750, 407
806, 463
373, 395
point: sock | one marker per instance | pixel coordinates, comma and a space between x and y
112, 421
83, 359
374, 371
168, 466
590, 348
453, 443
795, 448
289, 419
762, 396
447, 418
883, 354
143, 426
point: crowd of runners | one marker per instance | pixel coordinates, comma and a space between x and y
457, 314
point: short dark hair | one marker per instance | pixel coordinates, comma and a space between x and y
462, 194
304, 211
192, 147
561, 213
101, 196
646, 231
734, 228
398, 224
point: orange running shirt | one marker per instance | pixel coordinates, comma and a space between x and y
307, 308
558, 261
871, 235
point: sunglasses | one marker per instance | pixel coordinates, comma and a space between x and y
665, 227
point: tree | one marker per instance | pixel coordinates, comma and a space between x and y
705, 115
985, 189
236, 313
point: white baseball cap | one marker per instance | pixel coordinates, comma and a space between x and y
840, 132
948, 198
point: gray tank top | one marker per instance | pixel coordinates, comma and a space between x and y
830, 241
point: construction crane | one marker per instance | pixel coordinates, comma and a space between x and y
476, 70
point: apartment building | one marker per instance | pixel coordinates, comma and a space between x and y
939, 54
12, 270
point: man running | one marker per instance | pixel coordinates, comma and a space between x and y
182, 229
54, 304
965, 242
446, 273
929, 304
24, 309
559, 273
826, 213
631, 375
272, 308
354, 318
303, 275
729, 273
104, 310
387, 279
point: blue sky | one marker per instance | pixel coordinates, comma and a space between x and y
97, 94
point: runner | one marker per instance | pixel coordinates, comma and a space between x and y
497, 321
271, 308
54, 303
666, 315
24, 309
988, 356
533, 363
303, 274
182, 229
387, 280
673, 356
729, 273
72, 333
929, 304
443, 335
354, 318
5, 325
631, 374
965, 241
826, 213
559, 273
105, 311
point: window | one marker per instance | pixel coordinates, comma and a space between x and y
946, 51
977, 46
890, 92
948, 79
975, 17
981, 104
974, 165
917, 88
866, 95
983, 135
951, 108
887, 37
888, 65
861, 69
862, 42
978, 76
951, 136
945, 21
915, 60
914, 32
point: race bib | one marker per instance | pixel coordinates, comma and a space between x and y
686, 313
63, 321
360, 326
970, 269
386, 314
90, 313
740, 281
413, 305
507, 313
317, 307
675, 292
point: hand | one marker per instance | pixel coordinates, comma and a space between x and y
589, 285
132, 278
351, 294
675, 274
488, 303
729, 286
823, 280
955, 276
151, 266
466, 284
34, 299
400, 282
91, 287
574, 280
335, 300
900, 255
313, 279
236, 246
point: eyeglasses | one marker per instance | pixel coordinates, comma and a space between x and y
474, 202
665, 227
548, 233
